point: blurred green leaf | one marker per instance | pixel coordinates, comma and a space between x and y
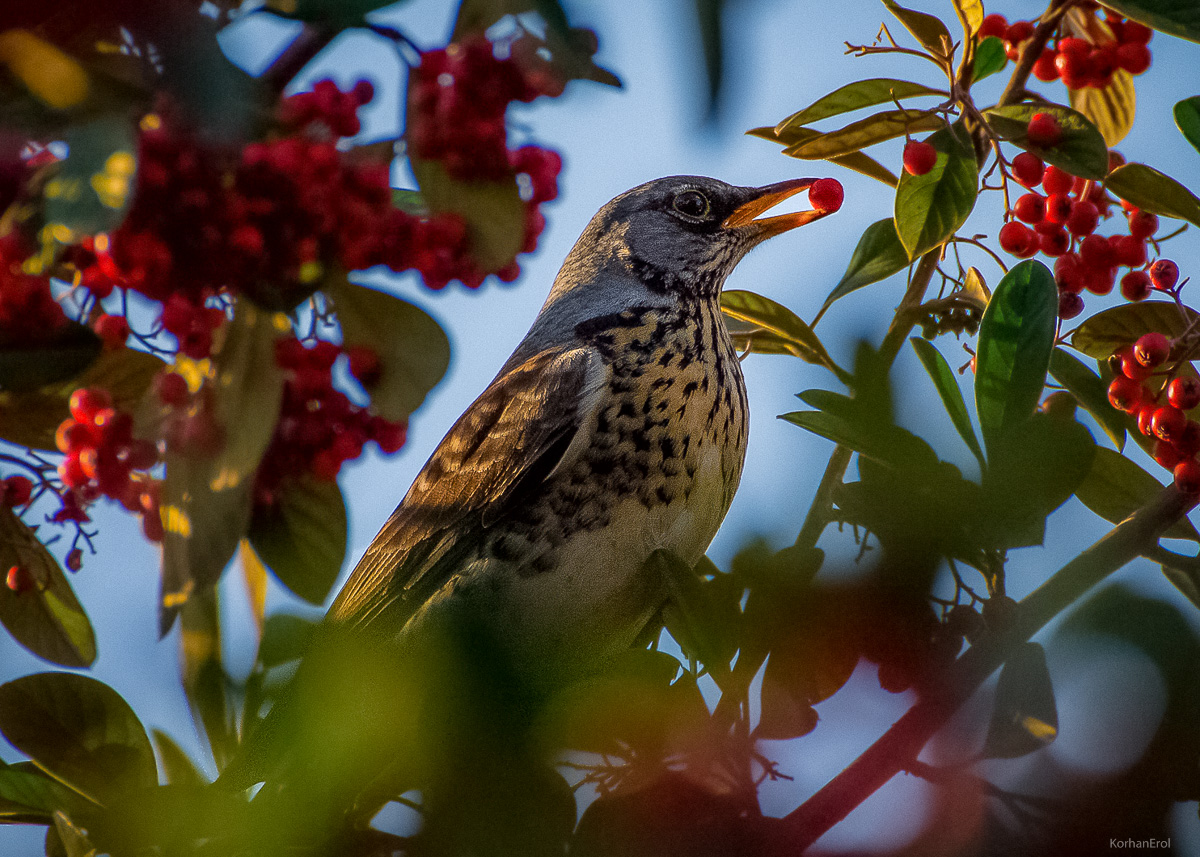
92, 188
888, 444
1177, 17
865, 132
409, 201
780, 323
29, 795
1016, 337
24, 369
691, 615
48, 619
254, 575
1110, 108
946, 383
860, 162
989, 58
928, 30
854, 96
1186, 580
74, 839
493, 210
175, 764
1090, 391
1081, 151
286, 638
338, 14
203, 673
930, 208
1025, 717
80, 731
413, 350
1116, 487
302, 539
1155, 192
878, 255
783, 714
1187, 120
1106, 331
206, 500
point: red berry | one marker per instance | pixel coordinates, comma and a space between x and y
1184, 393
1128, 251
1018, 31
1072, 66
1044, 131
1130, 367
1136, 286
19, 579
1164, 274
113, 329
1142, 224
1189, 442
72, 436
1187, 476
1166, 454
919, 157
86, 402
1145, 412
1152, 349
1069, 273
1044, 69
74, 559
993, 25
17, 490
1028, 169
1168, 423
1102, 63
1133, 57
364, 364
1058, 208
1053, 240
1099, 281
1096, 252
826, 195
1018, 239
1055, 180
1070, 304
1030, 207
1083, 219
171, 388
1133, 32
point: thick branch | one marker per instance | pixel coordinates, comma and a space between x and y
900, 745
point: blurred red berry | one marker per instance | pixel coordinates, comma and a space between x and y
1044, 131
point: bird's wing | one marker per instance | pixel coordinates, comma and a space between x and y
508, 442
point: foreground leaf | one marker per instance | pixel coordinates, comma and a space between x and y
928, 30
1016, 337
1155, 192
1090, 391
878, 255
493, 210
26, 368
93, 187
1111, 109
29, 795
1177, 17
1106, 331
865, 132
854, 96
779, 322
1025, 717
48, 619
1116, 487
303, 538
1187, 120
930, 208
203, 673
413, 350
945, 381
989, 58
860, 162
1081, 152
80, 730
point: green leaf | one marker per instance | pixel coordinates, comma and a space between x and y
1081, 151
338, 14
878, 255
890, 445
1111, 108
1090, 391
179, 769
930, 208
1186, 580
409, 201
93, 186
206, 500
860, 162
990, 58
79, 730
928, 30
1155, 192
31, 418
302, 539
1187, 120
1116, 487
854, 96
493, 210
203, 673
1177, 17
1016, 337
778, 322
691, 615
865, 132
413, 350
48, 619
74, 839
29, 795
1106, 331
946, 383
286, 638
24, 368
1025, 717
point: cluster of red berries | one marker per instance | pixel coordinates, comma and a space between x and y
319, 428
1177, 438
1078, 62
336, 108
103, 458
29, 315
1061, 222
459, 95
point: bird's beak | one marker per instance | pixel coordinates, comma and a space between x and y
768, 197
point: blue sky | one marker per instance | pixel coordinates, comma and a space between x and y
782, 56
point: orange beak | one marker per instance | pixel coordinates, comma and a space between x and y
766, 198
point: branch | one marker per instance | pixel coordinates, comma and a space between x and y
900, 746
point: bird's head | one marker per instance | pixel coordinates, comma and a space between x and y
681, 235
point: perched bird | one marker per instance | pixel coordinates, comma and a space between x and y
617, 427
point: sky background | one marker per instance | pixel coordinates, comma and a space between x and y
780, 57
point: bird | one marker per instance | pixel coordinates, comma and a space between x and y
618, 427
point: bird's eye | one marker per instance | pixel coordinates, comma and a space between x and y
692, 203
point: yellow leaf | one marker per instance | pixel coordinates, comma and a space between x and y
1111, 109
52, 75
